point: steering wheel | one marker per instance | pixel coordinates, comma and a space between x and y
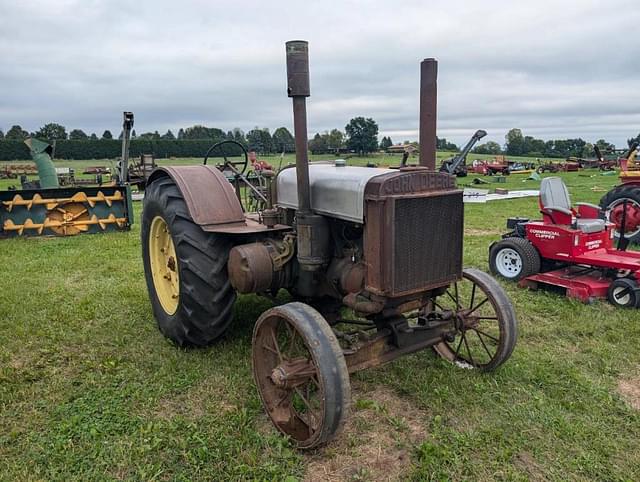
239, 166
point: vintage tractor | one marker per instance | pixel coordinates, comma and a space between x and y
372, 259
569, 249
623, 201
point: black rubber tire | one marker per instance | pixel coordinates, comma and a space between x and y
328, 357
529, 256
620, 192
630, 288
206, 298
508, 323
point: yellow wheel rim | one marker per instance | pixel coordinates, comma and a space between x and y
164, 265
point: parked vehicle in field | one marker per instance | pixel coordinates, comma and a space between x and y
570, 249
386, 244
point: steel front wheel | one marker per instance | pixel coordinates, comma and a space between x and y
301, 374
485, 322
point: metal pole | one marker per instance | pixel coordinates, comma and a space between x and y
428, 112
298, 89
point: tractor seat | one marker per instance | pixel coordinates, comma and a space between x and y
554, 197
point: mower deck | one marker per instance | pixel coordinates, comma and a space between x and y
579, 282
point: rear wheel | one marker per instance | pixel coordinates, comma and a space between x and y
301, 374
623, 293
612, 204
514, 259
185, 269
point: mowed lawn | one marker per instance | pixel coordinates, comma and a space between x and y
90, 390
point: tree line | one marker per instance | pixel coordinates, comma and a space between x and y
517, 144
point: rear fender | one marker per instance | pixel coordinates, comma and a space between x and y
210, 198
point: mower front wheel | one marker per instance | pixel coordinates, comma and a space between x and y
623, 293
514, 259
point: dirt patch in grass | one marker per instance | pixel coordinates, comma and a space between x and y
195, 402
377, 442
525, 462
629, 388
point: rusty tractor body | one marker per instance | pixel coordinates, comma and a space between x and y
371, 257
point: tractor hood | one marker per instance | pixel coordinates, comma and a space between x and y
336, 191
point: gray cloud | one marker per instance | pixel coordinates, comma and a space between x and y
554, 69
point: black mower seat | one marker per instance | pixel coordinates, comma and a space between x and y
555, 196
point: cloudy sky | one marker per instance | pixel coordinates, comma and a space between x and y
555, 69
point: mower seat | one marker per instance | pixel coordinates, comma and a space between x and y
554, 198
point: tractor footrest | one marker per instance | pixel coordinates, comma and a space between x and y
577, 282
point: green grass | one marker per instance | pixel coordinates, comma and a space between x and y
90, 390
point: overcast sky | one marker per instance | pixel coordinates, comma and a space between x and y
555, 69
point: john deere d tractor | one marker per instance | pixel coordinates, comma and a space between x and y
372, 259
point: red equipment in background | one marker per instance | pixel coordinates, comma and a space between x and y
623, 201
570, 249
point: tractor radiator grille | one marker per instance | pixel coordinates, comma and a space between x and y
427, 245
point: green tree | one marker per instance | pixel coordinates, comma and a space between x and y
605, 146
107, 135
168, 135
93, 136
445, 145
201, 132
16, 133
283, 140
631, 141
77, 135
490, 147
51, 131
319, 144
515, 143
238, 136
335, 139
254, 140
181, 133
133, 134
386, 143
362, 135
1, 134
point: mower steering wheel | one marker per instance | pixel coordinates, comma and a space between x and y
239, 166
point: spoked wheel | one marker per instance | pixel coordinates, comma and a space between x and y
486, 325
301, 374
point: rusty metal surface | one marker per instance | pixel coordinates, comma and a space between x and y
298, 89
382, 349
210, 199
413, 233
250, 268
428, 112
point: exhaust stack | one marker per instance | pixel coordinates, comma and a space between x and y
298, 89
428, 112
312, 229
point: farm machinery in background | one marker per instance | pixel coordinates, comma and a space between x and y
45, 207
457, 165
621, 205
384, 244
571, 249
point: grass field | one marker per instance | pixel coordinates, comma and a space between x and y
90, 390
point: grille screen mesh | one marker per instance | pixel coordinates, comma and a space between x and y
428, 241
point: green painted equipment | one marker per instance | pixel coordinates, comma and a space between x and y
41, 155
51, 210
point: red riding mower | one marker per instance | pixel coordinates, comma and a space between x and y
570, 249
